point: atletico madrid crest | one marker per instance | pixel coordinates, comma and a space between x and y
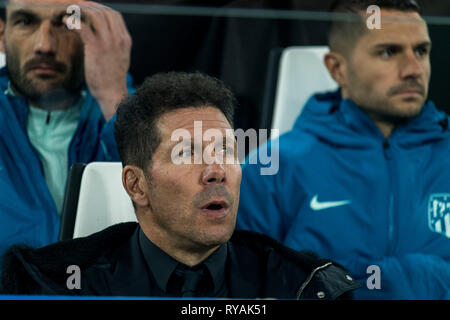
439, 213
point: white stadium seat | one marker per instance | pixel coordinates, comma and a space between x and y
301, 74
2, 59
102, 199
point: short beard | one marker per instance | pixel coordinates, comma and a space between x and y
61, 95
380, 108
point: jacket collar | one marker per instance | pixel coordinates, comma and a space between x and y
284, 273
342, 121
269, 269
21, 108
356, 119
429, 119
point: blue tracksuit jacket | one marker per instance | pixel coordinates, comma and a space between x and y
28, 213
370, 203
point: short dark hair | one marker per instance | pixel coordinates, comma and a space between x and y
3, 4
136, 131
345, 32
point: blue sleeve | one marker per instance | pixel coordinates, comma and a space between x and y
410, 276
268, 202
130, 85
257, 206
108, 142
426, 276
107, 139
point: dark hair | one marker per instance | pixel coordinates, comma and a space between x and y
3, 4
344, 32
136, 130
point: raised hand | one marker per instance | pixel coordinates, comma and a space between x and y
107, 48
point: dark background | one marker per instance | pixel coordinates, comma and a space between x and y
237, 50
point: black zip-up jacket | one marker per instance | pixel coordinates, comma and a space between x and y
259, 267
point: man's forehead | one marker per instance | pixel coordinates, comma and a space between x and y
46, 2
193, 120
391, 15
188, 118
40, 4
401, 27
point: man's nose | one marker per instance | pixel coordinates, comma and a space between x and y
213, 173
45, 41
411, 66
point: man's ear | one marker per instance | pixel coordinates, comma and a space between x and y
2, 36
337, 67
135, 184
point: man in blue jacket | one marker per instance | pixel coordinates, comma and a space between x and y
58, 96
364, 176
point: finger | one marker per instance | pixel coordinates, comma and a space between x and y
116, 23
86, 32
95, 16
118, 28
105, 23
114, 17
100, 8
117, 31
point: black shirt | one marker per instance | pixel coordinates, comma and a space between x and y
165, 271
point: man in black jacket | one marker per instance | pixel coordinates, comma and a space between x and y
181, 171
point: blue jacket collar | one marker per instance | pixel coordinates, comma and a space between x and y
326, 113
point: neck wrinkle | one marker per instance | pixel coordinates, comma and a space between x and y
189, 256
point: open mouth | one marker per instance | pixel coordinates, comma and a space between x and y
215, 208
215, 205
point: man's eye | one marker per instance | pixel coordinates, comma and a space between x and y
59, 22
227, 150
421, 52
388, 52
23, 22
185, 153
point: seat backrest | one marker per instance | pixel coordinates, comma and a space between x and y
102, 199
301, 73
2, 59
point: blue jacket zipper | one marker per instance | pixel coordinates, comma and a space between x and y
387, 149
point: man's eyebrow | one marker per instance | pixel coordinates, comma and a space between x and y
398, 45
23, 13
30, 14
424, 44
387, 44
